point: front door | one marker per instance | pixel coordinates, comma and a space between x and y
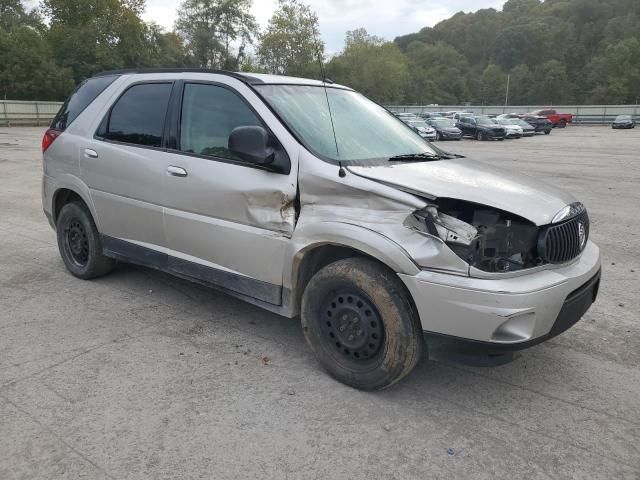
226, 221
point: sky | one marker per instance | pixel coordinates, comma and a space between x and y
384, 18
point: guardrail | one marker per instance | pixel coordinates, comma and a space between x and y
16, 112
582, 114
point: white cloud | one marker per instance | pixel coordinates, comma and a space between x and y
385, 18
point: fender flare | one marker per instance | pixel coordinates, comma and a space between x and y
73, 183
310, 236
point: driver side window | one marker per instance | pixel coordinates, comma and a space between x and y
209, 115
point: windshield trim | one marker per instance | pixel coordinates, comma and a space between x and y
305, 144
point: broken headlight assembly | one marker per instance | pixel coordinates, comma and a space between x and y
489, 239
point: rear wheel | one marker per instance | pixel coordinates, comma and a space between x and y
562, 124
547, 132
79, 243
360, 323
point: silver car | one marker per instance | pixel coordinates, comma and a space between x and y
311, 201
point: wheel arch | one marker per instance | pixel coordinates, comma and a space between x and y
344, 241
66, 193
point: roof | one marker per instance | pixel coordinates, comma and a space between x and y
247, 77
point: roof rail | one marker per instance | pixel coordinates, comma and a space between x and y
128, 71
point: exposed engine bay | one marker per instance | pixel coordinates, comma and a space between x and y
489, 239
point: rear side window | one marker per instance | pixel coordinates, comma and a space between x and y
209, 114
138, 115
86, 93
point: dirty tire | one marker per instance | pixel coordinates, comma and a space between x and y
79, 243
378, 304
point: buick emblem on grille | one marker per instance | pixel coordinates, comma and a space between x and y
582, 235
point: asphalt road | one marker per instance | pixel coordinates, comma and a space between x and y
139, 375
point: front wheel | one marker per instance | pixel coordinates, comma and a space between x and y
547, 132
360, 323
479, 136
438, 136
79, 243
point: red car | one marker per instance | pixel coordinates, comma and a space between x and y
559, 120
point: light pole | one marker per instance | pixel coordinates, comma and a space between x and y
506, 99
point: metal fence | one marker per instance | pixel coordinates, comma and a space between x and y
582, 114
16, 112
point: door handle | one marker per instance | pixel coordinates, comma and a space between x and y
176, 171
90, 153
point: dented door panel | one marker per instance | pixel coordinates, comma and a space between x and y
231, 215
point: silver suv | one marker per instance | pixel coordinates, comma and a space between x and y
309, 200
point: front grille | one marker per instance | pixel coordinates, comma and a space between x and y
562, 242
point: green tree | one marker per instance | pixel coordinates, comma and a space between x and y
165, 49
92, 35
520, 86
376, 68
493, 86
616, 73
210, 27
26, 69
438, 74
13, 14
291, 44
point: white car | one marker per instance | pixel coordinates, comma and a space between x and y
513, 131
425, 130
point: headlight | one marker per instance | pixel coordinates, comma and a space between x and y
448, 228
486, 238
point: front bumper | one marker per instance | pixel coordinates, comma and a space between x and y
428, 136
450, 135
512, 313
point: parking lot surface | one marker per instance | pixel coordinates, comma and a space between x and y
141, 375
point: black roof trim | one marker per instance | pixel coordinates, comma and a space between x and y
245, 78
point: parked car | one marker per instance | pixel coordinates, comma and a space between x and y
458, 115
445, 128
512, 129
559, 120
540, 124
428, 115
406, 115
510, 115
624, 121
342, 216
527, 130
422, 127
481, 128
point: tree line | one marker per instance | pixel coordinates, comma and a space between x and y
551, 52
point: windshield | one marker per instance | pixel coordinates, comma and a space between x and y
486, 121
623, 117
363, 129
418, 123
442, 122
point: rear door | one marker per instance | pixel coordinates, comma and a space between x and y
227, 221
124, 165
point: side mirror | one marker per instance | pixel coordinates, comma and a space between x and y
251, 143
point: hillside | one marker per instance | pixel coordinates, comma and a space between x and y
556, 51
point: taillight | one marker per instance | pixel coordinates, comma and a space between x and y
49, 137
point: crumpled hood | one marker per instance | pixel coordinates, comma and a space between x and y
473, 181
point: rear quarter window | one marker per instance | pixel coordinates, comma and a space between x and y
86, 93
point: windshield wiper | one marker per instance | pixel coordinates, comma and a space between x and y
416, 157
